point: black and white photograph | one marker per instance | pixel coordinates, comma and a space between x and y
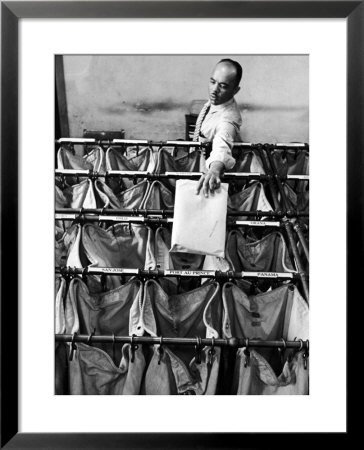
182, 225
164, 230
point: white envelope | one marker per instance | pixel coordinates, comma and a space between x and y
199, 223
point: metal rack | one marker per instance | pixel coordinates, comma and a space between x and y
283, 218
289, 218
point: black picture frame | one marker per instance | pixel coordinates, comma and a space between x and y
11, 13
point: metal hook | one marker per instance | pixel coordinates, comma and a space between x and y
73, 346
211, 351
101, 213
107, 176
282, 351
198, 350
305, 356
79, 216
84, 273
93, 175
220, 277
160, 350
151, 274
284, 344
247, 353
66, 273
113, 346
133, 347
64, 270
90, 337
161, 221
301, 345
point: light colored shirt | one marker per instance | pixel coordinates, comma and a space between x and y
221, 127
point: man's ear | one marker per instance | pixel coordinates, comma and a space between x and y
237, 89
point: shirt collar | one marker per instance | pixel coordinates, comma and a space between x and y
214, 108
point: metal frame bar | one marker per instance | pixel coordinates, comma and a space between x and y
67, 271
177, 175
117, 142
167, 212
154, 176
298, 228
155, 220
148, 340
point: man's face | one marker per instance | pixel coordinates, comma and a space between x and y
222, 86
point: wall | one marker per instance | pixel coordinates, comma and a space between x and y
149, 95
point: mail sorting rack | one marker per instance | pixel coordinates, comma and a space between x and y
289, 216
270, 176
205, 357
284, 217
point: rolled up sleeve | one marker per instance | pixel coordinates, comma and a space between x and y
222, 145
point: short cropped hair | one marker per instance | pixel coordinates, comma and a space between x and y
238, 68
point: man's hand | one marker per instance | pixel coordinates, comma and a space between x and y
211, 180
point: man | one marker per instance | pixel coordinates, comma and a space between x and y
221, 123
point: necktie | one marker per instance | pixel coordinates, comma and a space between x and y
199, 120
